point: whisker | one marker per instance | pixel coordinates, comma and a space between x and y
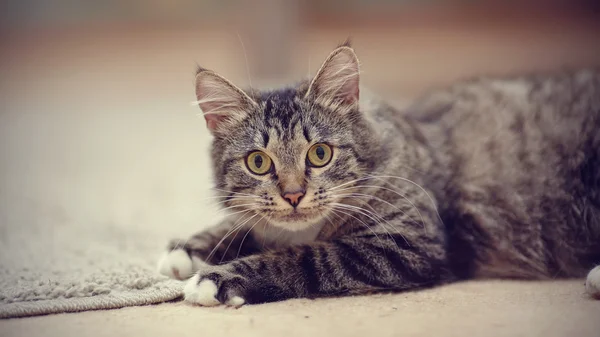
238, 212
420, 187
235, 206
373, 216
248, 232
393, 191
329, 219
334, 210
379, 216
266, 228
178, 242
359, 195
247, 63
227, 197
233, 229
278, 234
346, 183
239, 225
240, 199
392, 177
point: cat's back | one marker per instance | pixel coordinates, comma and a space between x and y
506, 127
520, 163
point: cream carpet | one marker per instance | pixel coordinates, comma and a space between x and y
53, 269
486, 308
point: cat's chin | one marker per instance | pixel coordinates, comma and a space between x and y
296, 221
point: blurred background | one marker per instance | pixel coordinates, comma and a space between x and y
96, 126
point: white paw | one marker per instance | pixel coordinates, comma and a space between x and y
203, 293
176, 264
592, 284
236, 302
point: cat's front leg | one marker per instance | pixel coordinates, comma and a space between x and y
351, 265
216, 245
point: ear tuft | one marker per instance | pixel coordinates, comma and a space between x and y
221, 102
336, 84
347, 43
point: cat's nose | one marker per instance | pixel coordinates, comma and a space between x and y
293, 197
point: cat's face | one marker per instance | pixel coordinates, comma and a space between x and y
285, 158
290, 155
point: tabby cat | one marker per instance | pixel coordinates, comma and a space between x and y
334, 195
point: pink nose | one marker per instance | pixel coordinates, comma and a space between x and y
294, 197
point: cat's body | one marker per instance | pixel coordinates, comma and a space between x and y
517, 173
519, 162
487, 178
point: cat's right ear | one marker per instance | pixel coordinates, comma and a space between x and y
222, 103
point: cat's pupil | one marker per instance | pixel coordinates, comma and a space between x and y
258, 161
320, 152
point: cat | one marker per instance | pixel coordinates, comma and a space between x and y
333, 195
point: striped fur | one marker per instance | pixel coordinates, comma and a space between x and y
487, 178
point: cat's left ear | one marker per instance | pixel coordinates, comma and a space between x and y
337, 81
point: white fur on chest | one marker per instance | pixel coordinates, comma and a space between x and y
280, 237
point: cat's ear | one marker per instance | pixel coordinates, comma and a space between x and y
336, 83
221, 102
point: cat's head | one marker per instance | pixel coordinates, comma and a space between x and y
288, 155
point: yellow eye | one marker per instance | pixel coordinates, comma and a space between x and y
319, 155
258, 162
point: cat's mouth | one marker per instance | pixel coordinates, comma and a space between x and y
297, 218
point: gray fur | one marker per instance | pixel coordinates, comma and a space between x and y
491, 177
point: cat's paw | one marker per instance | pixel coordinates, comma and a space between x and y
176, 264
215, 286
592, 283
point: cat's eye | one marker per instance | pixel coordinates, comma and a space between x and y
319, 155
258, 162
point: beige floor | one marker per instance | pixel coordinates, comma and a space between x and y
490, 308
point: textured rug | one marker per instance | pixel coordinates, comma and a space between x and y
47, 269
